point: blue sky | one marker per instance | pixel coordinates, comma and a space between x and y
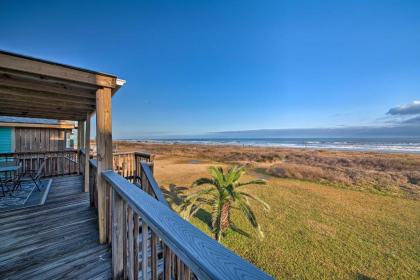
205, 66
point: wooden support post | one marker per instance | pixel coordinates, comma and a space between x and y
82, 134
87, 152
118, 231
104, 157
78, 134
82, 145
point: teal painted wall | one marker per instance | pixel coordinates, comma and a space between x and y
5, 139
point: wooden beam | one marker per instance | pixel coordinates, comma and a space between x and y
44, 101
51, 110
11, 80
10, 94
35, 66
37, 114
37, 125
87, 152
49, 80
11, 91
43, 107
104, 156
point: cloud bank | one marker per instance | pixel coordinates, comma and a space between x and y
408, 109
404, 122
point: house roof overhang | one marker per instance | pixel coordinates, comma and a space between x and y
36, 88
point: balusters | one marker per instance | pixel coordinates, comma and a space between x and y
125, 239
144, 253
130, 243
167, 262
117, 236
109, 193
136, 244
154, 256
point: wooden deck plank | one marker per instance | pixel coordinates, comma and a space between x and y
58, 240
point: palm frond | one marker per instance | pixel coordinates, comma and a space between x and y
252, 182
192, 210
249, 214
217, 174
198, 198
203, 181
234, 174
238, 230
256, 198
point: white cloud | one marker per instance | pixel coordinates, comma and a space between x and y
408, 109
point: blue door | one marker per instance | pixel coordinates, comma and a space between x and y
5, 139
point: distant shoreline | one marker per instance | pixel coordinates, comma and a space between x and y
387, 146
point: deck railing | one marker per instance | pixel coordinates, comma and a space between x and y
57, 163
136, 167
150, 241
127, 164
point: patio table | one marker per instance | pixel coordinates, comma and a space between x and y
4, 171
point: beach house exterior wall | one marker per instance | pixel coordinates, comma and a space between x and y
34, 135
6, 140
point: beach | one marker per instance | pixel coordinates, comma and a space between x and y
384, 173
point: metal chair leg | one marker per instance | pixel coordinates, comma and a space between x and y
36, 184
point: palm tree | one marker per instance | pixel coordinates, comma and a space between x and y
224, 193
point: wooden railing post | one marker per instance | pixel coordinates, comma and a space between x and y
87, 152
104, 158
82, 145
117, 236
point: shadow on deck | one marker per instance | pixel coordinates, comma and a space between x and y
58, 240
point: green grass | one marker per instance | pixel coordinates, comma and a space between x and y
314, 231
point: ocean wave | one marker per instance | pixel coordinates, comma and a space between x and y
373, 145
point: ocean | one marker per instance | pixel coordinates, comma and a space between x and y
386, 145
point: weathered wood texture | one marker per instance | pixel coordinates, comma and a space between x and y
148, 183
87, 154
56, 70
57, 163
58, 240
37, 88
40, 139
127, 164
104, 159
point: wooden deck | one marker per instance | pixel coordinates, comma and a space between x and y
58, 240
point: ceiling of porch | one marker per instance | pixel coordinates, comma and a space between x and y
36, 88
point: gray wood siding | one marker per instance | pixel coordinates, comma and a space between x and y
39, 139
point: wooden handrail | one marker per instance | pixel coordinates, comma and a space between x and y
192, 249
148, 156
35, 153
151, 182
57, 163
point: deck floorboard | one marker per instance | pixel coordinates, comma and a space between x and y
58, 240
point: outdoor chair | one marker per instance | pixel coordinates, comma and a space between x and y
31, 176
8, 178
4, 186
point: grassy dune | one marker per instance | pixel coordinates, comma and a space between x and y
316, 229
